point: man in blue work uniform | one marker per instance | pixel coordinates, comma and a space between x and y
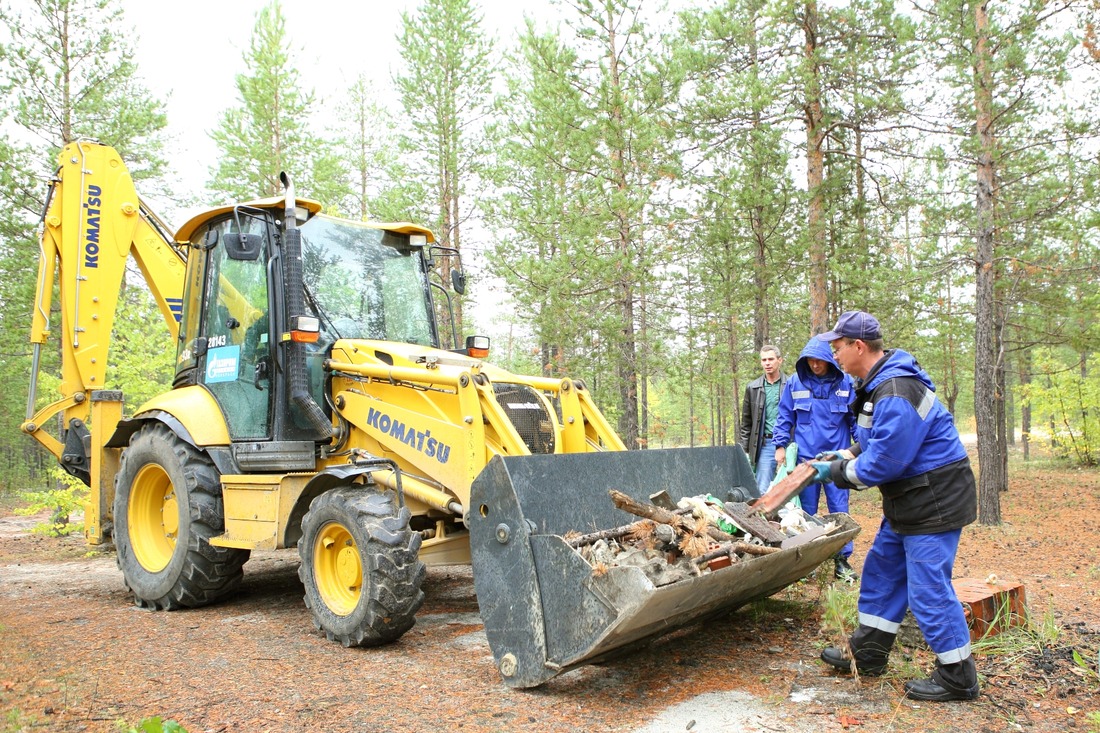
814, 415
907, 445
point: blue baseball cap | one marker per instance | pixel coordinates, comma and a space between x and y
854, 325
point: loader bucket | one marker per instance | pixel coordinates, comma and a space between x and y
547, 610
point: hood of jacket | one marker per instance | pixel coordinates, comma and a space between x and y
817, 349
895, 363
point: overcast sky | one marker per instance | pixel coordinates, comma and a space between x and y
190, 53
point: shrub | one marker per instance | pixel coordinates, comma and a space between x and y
65, 498
1065, 407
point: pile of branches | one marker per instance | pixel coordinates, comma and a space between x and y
700, 534
669, 544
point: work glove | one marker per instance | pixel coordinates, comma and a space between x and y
823, 473
835, 455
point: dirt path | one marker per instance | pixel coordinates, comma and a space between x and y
77, 655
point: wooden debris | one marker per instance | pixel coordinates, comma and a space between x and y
663, 500
576, 540
664, 516
749, 549
754, 524
669, 545
784, 490
735, 548
649, 511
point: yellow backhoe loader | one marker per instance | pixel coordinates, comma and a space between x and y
315, 406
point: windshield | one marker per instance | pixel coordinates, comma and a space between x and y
366, 283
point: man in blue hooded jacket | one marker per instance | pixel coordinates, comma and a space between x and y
908, 446
814, 415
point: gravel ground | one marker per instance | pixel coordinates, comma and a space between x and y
76, 655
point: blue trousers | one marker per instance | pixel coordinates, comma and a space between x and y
836, 499
914, 572
765, 466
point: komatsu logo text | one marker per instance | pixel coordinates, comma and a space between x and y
91, 226
421, 441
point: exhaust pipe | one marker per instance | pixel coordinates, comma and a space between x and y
297, 372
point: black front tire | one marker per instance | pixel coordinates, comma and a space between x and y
168, 504
360, 566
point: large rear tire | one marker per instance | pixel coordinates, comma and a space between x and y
168, 504
360, 566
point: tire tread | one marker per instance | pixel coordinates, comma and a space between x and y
393, 572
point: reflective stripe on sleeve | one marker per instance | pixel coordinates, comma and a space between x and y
926, 404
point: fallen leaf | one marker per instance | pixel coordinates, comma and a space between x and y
8, 685
848, 721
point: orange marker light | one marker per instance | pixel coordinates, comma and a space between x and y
305, 329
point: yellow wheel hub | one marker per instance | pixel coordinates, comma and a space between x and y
153, 518
337, 569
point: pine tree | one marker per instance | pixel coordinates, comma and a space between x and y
544, 227
270, 132
743, 250
367, 136
445, 88
69, 74
1000, 63
590, 144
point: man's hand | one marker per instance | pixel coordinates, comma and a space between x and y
835, 455
823, 473
780, 456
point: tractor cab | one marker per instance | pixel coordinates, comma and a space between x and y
246, 343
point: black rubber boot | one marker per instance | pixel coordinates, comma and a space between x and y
870, 647
843, 571
957, 681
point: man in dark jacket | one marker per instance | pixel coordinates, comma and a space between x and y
759, 411
907, 445
814, 415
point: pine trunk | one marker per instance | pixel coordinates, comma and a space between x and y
991, 475
815, 175
627, 368
1025, 407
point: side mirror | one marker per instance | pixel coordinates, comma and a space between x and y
242, 246
458, 281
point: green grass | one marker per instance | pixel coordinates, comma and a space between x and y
152, 725
64, 498
1022, 635
15, 721
840, 615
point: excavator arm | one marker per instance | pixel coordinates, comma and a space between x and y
93, 222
